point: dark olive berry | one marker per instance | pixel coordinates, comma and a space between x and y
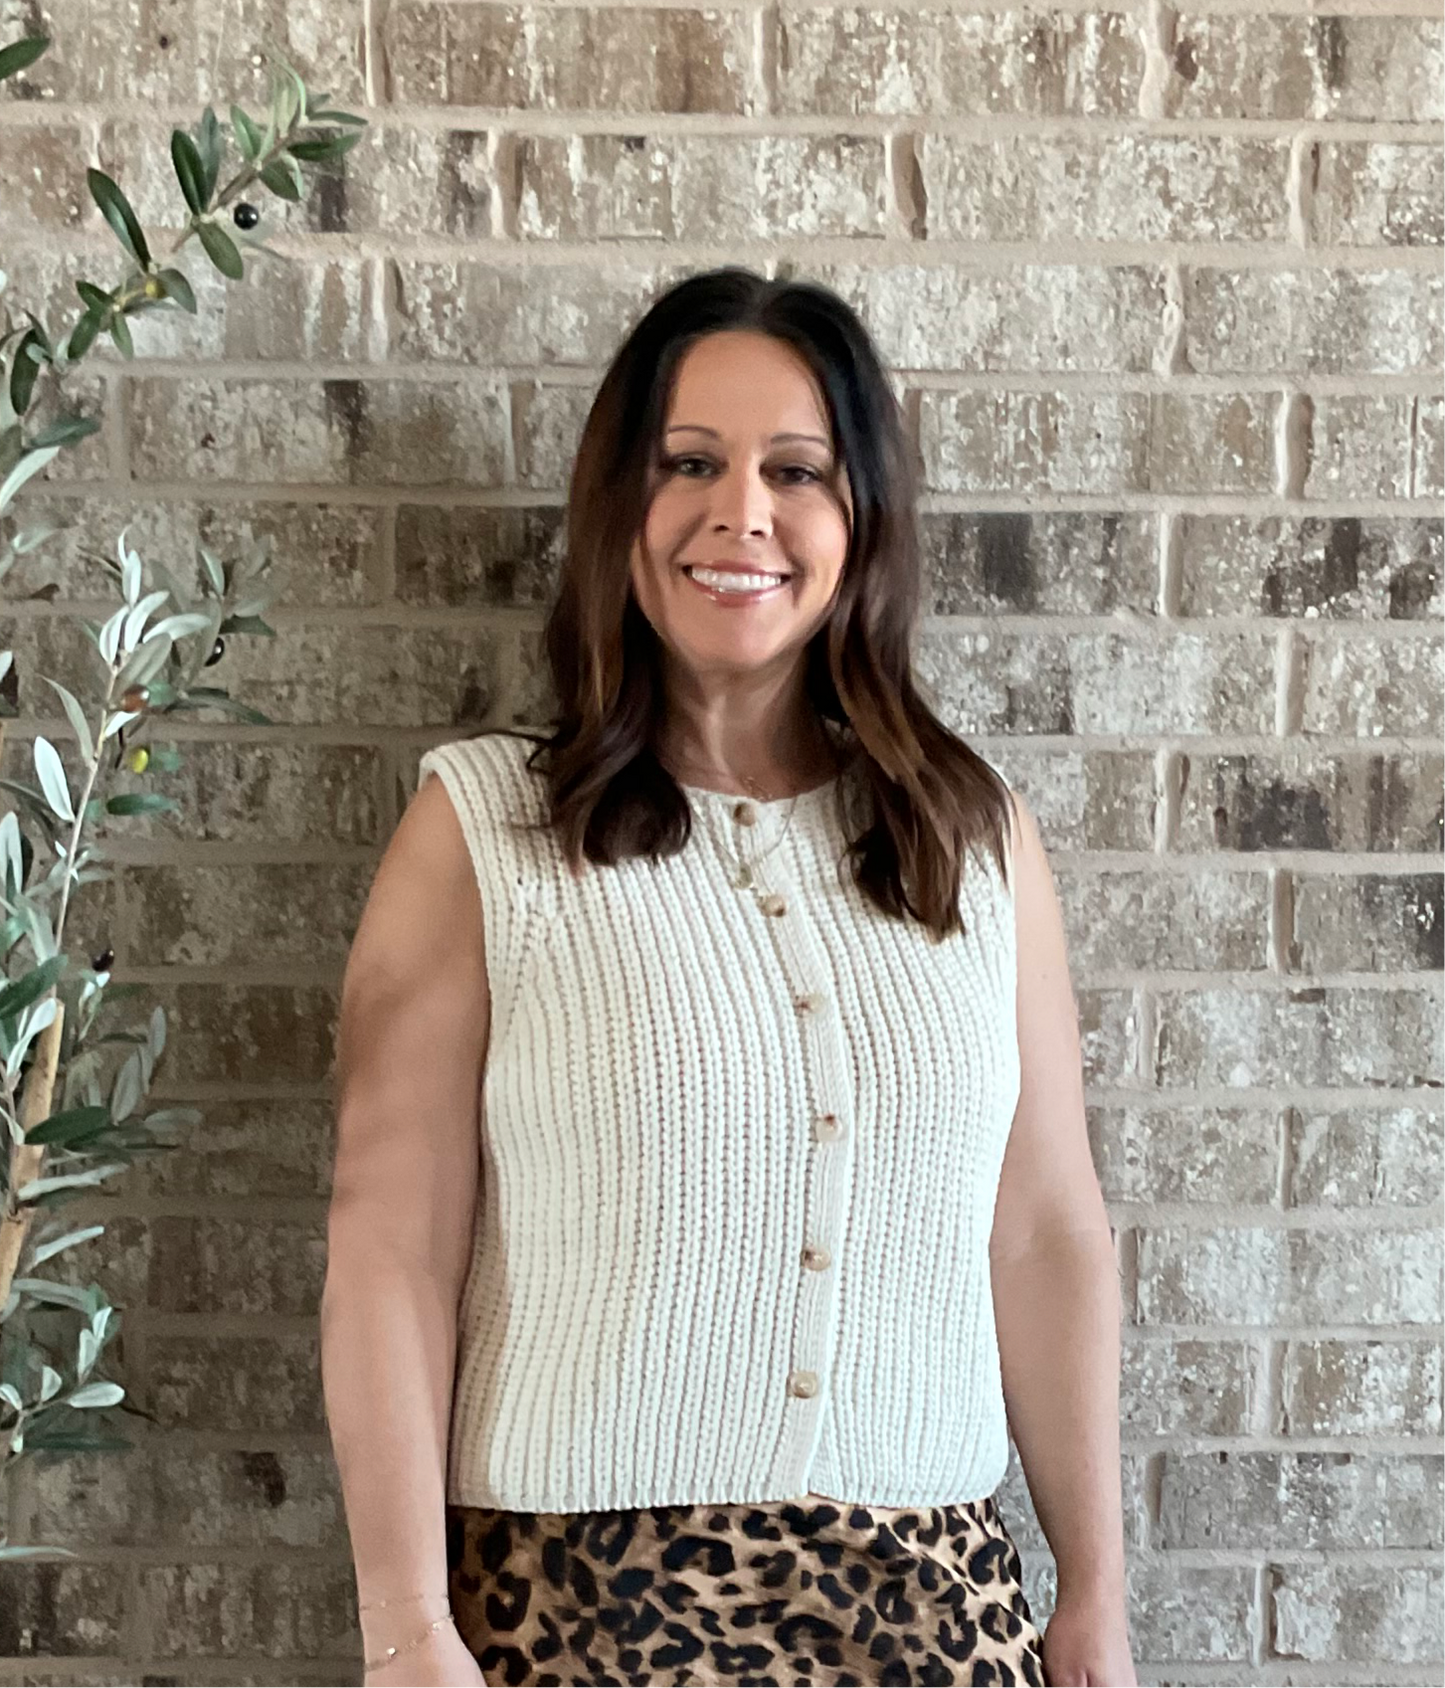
245, 216
102, 962
218, 650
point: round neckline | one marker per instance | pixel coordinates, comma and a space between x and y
765, 804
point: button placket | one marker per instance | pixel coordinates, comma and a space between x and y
826, 1184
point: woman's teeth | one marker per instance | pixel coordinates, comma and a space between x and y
728, 580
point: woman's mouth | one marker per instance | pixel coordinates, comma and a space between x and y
732, 586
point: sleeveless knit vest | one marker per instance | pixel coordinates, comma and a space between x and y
740, 1149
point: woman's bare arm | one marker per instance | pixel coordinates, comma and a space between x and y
1055, 1281
411, 1047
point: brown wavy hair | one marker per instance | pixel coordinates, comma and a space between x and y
913, 796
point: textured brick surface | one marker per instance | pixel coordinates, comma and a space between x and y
1159, 293
1208, 1155
1128, 187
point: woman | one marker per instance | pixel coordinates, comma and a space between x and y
693, 1374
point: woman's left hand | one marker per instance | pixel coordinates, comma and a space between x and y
1086, 1643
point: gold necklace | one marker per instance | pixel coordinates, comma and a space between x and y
743, 869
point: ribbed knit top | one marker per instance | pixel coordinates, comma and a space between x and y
740, 1149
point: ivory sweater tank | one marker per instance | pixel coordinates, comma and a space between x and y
740, 1149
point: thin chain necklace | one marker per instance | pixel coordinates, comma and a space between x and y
743, 869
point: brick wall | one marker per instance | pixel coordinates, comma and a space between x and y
1162, 291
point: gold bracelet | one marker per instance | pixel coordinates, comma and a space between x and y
394, 1652
401, 1600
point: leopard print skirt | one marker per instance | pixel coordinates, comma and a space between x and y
774, 1592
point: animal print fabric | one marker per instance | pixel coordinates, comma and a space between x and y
775, 1592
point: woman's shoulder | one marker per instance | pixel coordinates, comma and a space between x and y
495, 760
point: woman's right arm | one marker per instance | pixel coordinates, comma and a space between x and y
411, 1046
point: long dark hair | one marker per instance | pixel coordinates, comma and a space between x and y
916, 793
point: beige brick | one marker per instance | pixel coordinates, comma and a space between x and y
700, 188
219, 1382
208, 1265
1252, 65
1181, 1153
1299, 1502
1365, 1157
1212, 442
462, 555
1066, 317
504, 314
1360, 446
409, 182
1108, 1035
242, 914
321, 554
1175, 1385
277, 1610
1380, 1615
1142, 921
334, 431
1034, 442
1104, 682
1311, 1035
245, 1149
1384, 1387
1262, 1275
54, 1608
119, 1259
547, 427
1355, 568
1370, 686
319, 311
570, 58
44, 181
280, 793
1085, 799
161, 1493
248, 1034
939, 61
1312, 322
175, 50
1380, 923
1300, 798
1046, 562
1377, 193
1193, 1613
1121, 187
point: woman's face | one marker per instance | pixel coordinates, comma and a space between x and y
746, 481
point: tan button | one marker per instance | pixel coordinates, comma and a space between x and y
803, 1384
811, 1002
744, 813
826, 1127
816, 1257
774, 904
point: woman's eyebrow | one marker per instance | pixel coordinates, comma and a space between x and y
698, 428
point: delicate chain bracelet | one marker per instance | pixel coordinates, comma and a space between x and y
401, 1600
395, 1652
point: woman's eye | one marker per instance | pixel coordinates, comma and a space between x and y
809, 473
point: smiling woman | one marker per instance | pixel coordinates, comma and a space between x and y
729, 960
739, 560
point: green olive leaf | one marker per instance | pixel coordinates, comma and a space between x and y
116, 209
221, 250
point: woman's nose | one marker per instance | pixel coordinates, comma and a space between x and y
742, 500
